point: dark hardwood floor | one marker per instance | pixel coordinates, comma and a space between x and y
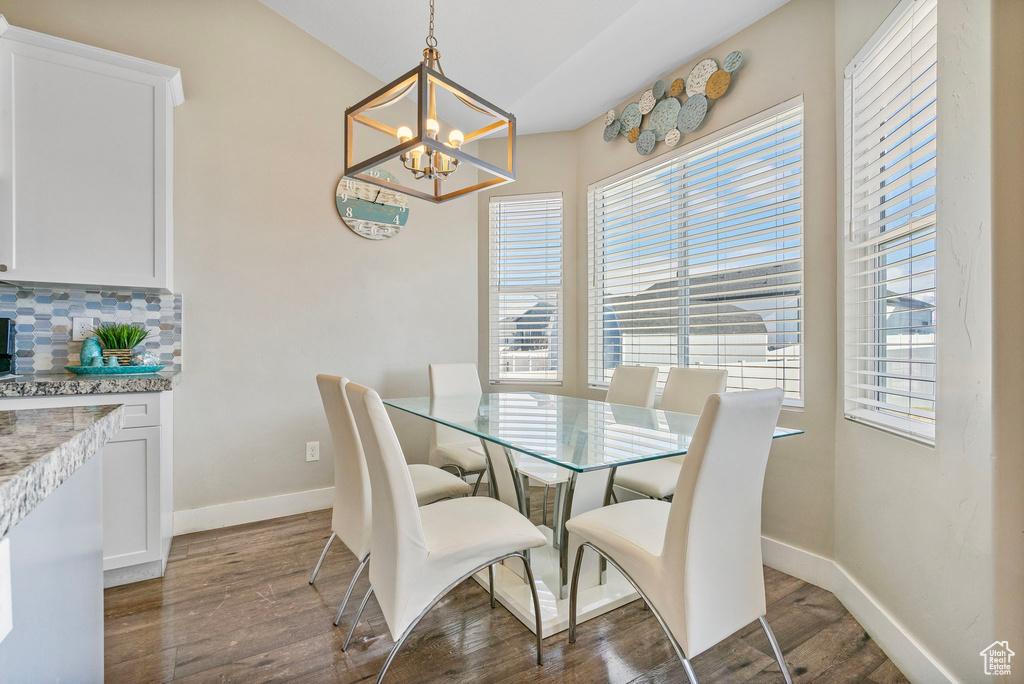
236, 606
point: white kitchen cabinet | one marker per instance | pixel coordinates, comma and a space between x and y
85, 164
137, 481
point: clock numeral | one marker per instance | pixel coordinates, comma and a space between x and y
395, 221
348, 212
375, 174
350, 184
401, 207
344, 197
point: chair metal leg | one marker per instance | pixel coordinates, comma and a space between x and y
775, 649
661, 621
573, 593
536, 611
412, 626
490, 583
477, 485
322, 556
359, 614
351, 586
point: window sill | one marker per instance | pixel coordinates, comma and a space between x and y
879, 423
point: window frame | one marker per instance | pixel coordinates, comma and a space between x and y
494, 291
677, 204
869, 251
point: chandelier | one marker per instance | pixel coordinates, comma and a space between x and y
422, 153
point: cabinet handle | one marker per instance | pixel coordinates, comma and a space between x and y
3, 268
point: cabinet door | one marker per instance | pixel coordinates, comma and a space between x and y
131, 498
85, 153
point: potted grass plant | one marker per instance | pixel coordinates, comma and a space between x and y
119, 339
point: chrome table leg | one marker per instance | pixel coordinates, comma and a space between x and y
563, 551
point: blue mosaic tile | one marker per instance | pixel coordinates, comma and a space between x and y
43, 323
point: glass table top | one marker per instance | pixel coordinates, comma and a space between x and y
578, 434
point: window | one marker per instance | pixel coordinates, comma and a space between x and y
890, 225
526, 289
697, 260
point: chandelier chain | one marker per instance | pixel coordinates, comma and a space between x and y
431, 41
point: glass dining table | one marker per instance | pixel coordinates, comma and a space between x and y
581, 443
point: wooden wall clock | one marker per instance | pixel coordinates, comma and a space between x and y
370, 211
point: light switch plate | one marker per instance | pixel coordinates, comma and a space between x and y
6, 603
80, 329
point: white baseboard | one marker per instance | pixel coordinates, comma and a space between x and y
253, 510
899, 645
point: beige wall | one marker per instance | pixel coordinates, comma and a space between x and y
276, 289
789, 54
1008, 289
914, 523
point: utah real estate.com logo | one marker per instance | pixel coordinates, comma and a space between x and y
997, 658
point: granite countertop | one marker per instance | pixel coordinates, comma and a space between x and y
63, 384
41, 448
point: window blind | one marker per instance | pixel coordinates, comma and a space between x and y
697, 260
890, 159
525, 318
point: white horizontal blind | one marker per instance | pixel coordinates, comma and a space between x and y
525, 320
697, 261
890, 155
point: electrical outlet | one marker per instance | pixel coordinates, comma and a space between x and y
80, 328
312, 451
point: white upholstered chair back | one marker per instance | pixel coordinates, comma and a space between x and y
633, 386
351, 517
398, 545
687, 389
713, 537
451, 380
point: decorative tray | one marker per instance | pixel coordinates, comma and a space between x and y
113, 370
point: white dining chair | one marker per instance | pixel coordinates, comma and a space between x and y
450, 448
350, 519
685, 391
696, 562
630, 385
633, 386
420, 554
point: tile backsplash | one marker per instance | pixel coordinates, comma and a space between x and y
43, 322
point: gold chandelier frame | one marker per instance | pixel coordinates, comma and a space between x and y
426, 79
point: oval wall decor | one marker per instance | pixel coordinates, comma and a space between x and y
612, 130
645, 142
733, 61
647, 101
663, 117
662, 113
631, 117
718, 84
691, 114
699, 76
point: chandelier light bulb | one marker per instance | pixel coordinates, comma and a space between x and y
404, 134
455, 138
433, 128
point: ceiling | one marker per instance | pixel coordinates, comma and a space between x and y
555, 64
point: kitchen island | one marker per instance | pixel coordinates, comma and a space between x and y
51, 542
